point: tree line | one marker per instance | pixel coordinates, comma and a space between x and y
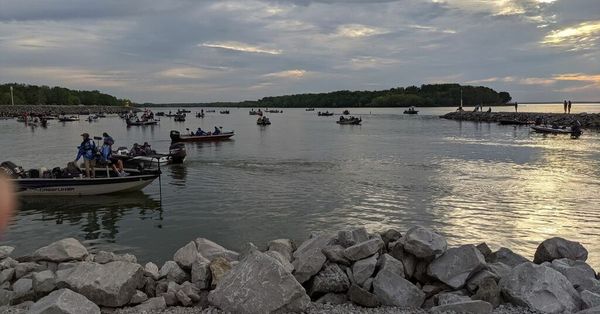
44, 95
431, 95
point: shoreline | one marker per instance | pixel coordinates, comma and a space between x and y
19, 110
346, 271
588, 120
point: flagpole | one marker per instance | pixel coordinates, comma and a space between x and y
12, 100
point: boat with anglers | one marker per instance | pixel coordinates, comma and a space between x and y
574, 131
346, 112
309, 109
69, 181
263, 121
184, 111
256, 113
210, 110
141, 122
177, 137
411, 110
140, 157
92, 118
199, 114
160, 114
63, 118
101, 115
324, 114
274, 111
349, 121
179, 118
224, 112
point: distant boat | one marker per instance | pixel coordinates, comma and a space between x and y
411, 110
255, 113
141, 122
310, 109
179, 118
346, 112
210, 110
574, 132
160, 114
224, 112
274, 111
349, 121
177, 137
68, 119
325, 114
263, 121
199, 114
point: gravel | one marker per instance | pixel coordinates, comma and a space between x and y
317, 308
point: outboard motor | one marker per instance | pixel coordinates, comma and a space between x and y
175, 136
11, 170
177, 152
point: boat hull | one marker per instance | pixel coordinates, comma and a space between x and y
82, 186
176, 137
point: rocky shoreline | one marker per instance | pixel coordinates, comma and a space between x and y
350, 271
19, 110
588, 120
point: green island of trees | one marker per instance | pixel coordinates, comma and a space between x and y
432, 95
44, 95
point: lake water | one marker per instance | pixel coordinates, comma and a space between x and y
472, 182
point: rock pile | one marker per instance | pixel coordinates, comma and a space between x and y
588, 120
416, 270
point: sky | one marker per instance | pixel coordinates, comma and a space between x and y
222, 50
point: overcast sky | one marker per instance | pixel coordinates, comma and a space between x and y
199, 51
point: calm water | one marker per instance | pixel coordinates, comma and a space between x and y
472, 182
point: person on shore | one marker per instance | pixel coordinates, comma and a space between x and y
88, 150
516, 107
489, 110
569, 107
565, 106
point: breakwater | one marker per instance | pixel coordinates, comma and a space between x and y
414, 270
19, 110
587, 120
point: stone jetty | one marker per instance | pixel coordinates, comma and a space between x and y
588, 120
19, 110
392, 272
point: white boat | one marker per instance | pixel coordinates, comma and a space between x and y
78, 186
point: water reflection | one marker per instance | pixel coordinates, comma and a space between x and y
98, 218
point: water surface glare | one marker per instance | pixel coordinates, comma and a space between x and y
472, 182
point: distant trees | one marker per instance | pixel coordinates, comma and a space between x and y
43, 95
438, 95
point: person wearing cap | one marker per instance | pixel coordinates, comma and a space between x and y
87, 150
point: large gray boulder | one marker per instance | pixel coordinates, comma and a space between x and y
363, 249
362, 297
151, 305
282, 260
470, 307
285, 247
331, 279
580, 274
363, 269
347, 238
111, 284
423, 243
393, 290
201, 275
391, 264
187, 255
259, 284
23, 269
5, 251
456, 265
507, 257
488, 291
335, 254
540, 288
557, 248
151, 270
309, 258
64, 301
23, 289
61, 251
44, 282
173, 272
210, 250
590, 299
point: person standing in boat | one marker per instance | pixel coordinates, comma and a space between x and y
569, 107
216, 131
106, 155
88, 151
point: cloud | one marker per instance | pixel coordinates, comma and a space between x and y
238, 46
294, 74
357, 31
517, 80
578, 37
